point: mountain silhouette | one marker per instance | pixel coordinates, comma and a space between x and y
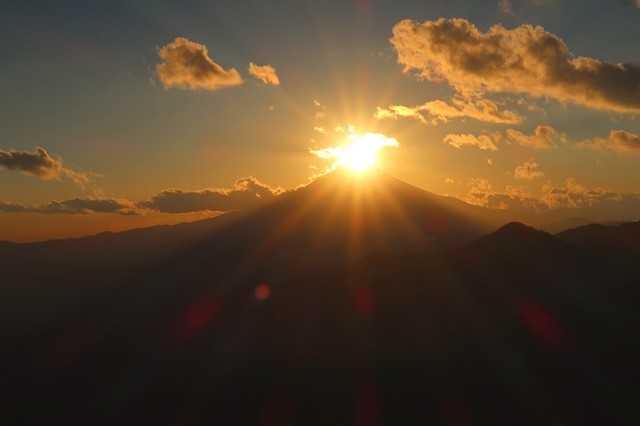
352, 300
337, 218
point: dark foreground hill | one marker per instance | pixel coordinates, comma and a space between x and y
348, 301
518, 327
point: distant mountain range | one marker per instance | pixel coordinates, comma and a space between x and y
348, 301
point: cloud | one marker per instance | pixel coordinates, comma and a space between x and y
265, 73
320, 110
13, 207
505, 6
482, 142
440, 111
89, 205
603, 202
575, 195
527, 60
186, 64
40, 164
618, 141
513, 198
74, 206
543, 137
247, 192
527, 170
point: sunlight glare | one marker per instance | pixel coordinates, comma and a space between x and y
359, 153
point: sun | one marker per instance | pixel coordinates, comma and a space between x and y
359, 153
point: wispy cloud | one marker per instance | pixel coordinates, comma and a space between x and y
247, 193
186, 64
618, 141
320, 110
40, 164
574, 195
439, 111
483, 142
570, 195
543, 137
527, 170
505, 6
525, 59
265, 73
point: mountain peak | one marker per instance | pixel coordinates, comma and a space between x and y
517, 228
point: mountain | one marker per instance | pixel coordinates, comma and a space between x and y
350, 300
339, 217
625, 236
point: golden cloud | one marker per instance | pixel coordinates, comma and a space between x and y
440, 111
543, 137
483, 142
265, 73
526, 60
186, 64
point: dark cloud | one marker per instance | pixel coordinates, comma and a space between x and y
526, 60
39, 164
74, 206
89, 205
246, 193
12, 207
186, 64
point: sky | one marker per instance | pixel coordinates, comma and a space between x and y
122, 114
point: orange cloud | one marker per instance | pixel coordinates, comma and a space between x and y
513, 198
265, 73
186, 64
440, 111
526, 60
527, 170
618, 141
575, 195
